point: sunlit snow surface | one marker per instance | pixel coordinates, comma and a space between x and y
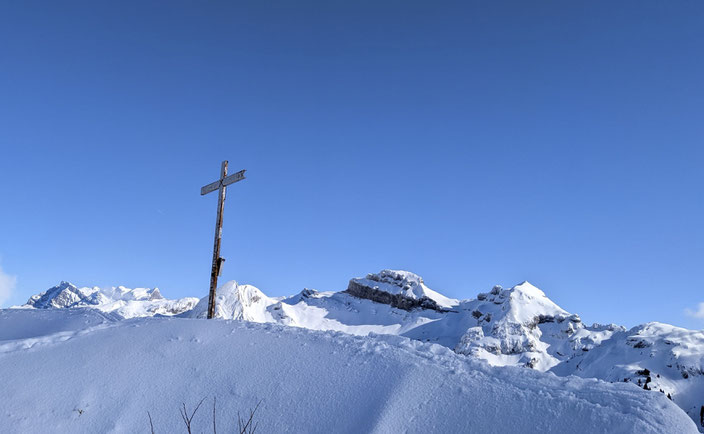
106, 377
518, 326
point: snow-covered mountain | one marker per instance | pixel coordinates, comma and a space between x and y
522, 326
515, 326
519, 326
233, 301
125, 302
655, 356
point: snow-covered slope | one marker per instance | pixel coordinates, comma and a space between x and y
518, 326
655, 356
19, 325
107, 377
125, 302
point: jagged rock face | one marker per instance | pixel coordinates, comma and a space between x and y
64, 294
400, 289
156, 295
396, 300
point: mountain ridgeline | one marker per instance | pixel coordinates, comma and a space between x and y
518, 326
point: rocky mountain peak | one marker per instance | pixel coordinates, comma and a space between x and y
400, 289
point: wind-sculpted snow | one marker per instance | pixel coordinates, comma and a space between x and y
125, 302
21, 324
106, 379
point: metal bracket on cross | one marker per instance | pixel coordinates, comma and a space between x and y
220, 261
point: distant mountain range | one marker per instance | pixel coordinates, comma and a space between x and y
517, 326
125, 302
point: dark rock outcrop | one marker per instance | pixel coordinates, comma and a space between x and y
396, 300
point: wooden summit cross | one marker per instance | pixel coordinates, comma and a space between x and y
220, 185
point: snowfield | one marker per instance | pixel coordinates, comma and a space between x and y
516, 338
104, 379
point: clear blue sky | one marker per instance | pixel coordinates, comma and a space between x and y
474, 143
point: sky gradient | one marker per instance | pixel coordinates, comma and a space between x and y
474, 143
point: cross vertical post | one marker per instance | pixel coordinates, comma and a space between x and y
216, 245
220, 185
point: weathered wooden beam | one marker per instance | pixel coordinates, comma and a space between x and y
215, 271
239, 176
210, 187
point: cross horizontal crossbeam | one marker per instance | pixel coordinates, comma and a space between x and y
239, 176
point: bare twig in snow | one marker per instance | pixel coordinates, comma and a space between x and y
187, 419
151, 425
248, 427
215, 400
